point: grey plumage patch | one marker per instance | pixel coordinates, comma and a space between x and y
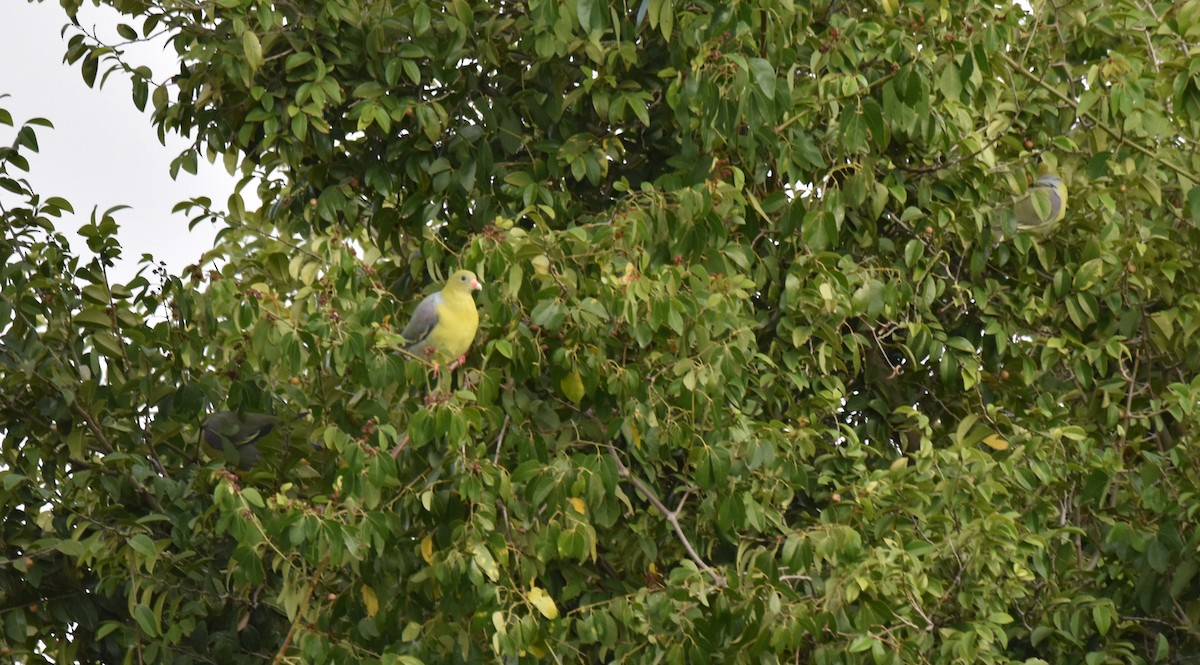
424, 319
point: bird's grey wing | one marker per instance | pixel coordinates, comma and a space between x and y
1055, 202
251, 432
423, 320
254, 427
1040, 208
213, 437
216, 434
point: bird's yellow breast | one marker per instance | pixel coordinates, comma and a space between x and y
458, 321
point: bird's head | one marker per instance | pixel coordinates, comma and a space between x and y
464, 280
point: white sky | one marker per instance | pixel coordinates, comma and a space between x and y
102, 151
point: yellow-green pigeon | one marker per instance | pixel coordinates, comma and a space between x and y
232, 435
1044, 205
444, 324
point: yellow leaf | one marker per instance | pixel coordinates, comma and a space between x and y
578, 504
427, 549
541, 264
995, 442
890, 6
543, 602
370, 601
572, 386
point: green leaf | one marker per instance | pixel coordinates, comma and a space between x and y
252, 497
504, 347
1088, 274
862, 643
146, 620
572, 386
94, 317
12, 480
1102, 616
950, 82
252, 50
1182, 577
1193, 202
422, 19
108, 344
142, 544
764, 76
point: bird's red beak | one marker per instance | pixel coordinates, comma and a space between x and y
476, 284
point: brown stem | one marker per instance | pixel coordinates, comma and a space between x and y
312, 585
108, 448
671, 516
1096, 121
400, 446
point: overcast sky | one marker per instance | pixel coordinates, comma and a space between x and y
102, 151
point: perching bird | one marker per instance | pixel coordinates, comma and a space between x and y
444, 324
232, 435
1043, 206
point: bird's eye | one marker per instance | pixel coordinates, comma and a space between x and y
463, 278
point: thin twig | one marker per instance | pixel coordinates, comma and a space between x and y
671, 516
95, 429
500, 440
686, 493
400, 446
1096, 121
312, 585
1131, 377
496, 461
929, 626
1037, 23
108, 448
883, 351
933, 168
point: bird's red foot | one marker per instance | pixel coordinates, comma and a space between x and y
449, 368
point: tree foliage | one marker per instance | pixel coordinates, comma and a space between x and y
757, 379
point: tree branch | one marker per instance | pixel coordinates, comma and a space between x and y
107, 447
312, 585
1117, 136
671, 516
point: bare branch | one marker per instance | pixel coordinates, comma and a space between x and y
500, 440
671, 516
312, 585
107, 447
1117, 136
